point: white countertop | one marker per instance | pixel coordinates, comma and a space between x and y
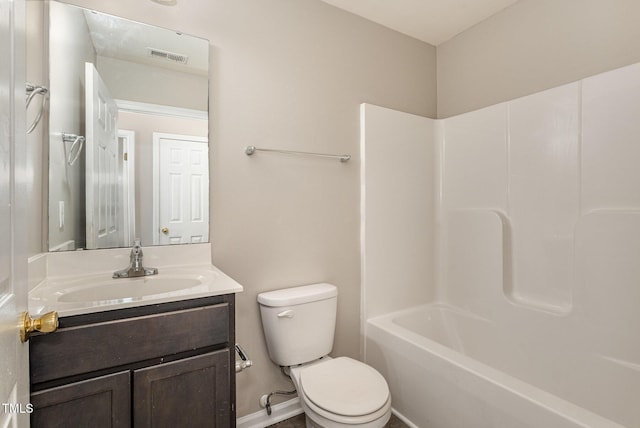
70, 288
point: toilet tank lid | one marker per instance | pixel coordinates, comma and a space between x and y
298, 295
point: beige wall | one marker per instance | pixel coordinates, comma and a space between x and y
535, 45
290, 74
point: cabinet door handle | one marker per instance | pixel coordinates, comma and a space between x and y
47, 323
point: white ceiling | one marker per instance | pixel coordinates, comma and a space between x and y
127, 40
432, 21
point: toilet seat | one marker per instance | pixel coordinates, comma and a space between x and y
345, 390
376, 419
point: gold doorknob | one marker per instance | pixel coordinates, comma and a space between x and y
47, 323
165, 230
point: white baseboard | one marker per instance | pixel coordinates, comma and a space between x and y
279, 412
69, 245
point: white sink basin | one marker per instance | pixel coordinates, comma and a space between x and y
92, 293
100, 288
127, 288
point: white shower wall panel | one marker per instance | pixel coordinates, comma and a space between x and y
542, 232
520, 161
543, 195
518, 189
611, 140
474, 258
564, 247
474, 156
473, 181
397, 169
608, 283
607, 237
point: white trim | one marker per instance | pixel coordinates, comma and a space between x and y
162, 110
155, 174
363, 235
279, 412
129, 185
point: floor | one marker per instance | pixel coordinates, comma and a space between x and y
298, 422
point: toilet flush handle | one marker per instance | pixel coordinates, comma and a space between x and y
286, 314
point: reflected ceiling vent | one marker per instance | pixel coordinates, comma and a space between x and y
168, 56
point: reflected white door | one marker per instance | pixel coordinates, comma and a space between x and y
103, 186
181, 189
14, 375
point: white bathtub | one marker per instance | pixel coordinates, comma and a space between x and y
448, 368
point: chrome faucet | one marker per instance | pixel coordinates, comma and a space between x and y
135, 267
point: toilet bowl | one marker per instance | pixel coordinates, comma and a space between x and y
342, 392
299, 326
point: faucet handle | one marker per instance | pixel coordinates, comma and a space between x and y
136, 250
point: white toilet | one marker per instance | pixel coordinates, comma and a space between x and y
299, 325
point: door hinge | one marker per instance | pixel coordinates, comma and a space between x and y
125, 156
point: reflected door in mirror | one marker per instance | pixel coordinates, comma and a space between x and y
182, 165
103, 188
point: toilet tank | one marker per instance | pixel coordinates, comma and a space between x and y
299, 322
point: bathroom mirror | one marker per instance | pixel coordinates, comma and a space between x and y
128, 132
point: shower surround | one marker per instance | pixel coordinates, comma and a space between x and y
501, 258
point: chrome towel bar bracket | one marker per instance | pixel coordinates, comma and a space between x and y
33, 90
75, 140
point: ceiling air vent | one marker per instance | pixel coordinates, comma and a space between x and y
168, 56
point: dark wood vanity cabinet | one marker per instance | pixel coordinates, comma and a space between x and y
165, 365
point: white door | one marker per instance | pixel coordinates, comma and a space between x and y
181, 189
103, 187
14, 374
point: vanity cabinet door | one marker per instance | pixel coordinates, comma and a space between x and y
192, 392
100, 402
